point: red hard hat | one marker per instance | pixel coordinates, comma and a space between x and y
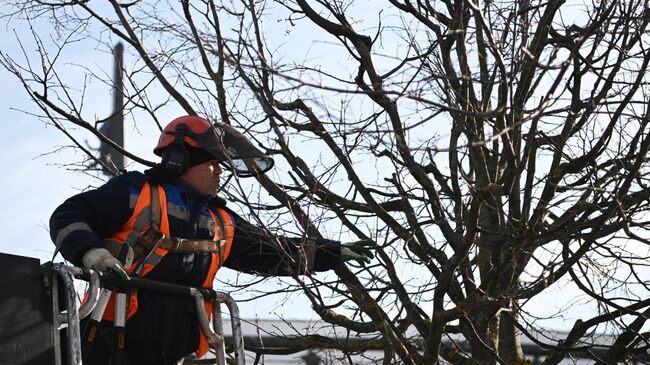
223, 142
194, 124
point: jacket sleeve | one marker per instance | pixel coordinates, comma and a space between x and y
255, 251
82, 220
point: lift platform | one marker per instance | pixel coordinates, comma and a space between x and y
40, 312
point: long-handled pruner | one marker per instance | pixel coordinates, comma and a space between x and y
118, 355
90, 332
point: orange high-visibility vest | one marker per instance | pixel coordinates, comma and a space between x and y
146, 216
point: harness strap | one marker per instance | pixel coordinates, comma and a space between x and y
141, 220
141, 242
194, 246
154, 208
224, 235
144, 242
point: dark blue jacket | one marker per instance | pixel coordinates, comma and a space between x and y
164, 323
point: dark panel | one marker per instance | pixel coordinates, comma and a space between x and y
25, 313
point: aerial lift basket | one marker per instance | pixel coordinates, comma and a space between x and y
39, 312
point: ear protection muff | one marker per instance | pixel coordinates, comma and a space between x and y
175, 157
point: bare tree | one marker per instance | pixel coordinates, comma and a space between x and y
492, 149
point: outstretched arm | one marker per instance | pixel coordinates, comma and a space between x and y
255, 251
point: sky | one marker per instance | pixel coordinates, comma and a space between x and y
35, 182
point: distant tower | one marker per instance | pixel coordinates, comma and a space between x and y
113, 127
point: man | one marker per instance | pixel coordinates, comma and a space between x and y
174, 227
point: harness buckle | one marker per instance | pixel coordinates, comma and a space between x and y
176, 243
152, 249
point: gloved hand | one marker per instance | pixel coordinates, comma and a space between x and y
359, 251
100, 259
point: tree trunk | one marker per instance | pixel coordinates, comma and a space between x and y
509, 338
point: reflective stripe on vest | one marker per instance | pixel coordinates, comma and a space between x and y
151, 204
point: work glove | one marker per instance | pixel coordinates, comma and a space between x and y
100, 259
359, 251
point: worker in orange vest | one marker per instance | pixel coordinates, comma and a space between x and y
172, 226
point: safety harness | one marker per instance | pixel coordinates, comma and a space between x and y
149, 238
146, 237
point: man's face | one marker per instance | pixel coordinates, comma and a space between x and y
204, 178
